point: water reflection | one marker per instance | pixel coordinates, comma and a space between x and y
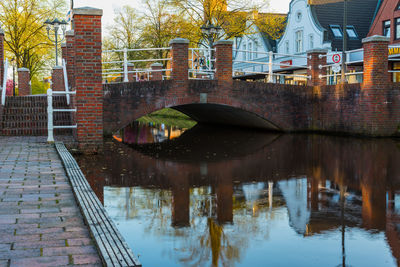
146, 133
239, 198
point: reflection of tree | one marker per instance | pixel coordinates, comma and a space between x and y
205, 242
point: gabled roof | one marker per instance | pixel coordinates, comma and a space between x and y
360, 14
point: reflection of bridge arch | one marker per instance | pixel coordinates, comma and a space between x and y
256, 105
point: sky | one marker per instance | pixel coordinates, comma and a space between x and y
108, 6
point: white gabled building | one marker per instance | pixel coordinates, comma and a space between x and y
302, 31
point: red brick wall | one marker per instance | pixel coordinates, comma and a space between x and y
156, 75
180, 61
1, 56
88, 78
24, 78
387, 11
131, 76
57, 79
223, 63
314, 61
70, 57
63, 52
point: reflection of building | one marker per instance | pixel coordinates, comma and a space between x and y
295, 193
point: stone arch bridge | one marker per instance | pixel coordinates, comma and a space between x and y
371, 108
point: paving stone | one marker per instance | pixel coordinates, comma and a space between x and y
60, 251
85, 259
40, 261
40, 222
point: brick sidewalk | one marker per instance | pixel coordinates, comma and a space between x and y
40, 222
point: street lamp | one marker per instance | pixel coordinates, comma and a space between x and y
54, 25
211, 32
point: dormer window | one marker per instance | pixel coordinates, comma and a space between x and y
337, 31
351, 32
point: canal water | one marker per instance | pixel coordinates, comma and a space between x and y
212, 196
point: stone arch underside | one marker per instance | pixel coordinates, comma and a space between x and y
255, 105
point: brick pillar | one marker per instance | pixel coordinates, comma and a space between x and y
24, 79
1, 56
223, 60
131, 75
57, 78
88, 78
380, 117
156, 74
70, 53
375, 61
180, 61
64, 52
314, 61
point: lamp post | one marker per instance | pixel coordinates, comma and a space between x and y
55, 25
211, 32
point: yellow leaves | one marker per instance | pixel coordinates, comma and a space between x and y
271, 24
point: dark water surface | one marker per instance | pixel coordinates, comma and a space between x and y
224, 197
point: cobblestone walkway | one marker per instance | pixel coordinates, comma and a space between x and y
40, 222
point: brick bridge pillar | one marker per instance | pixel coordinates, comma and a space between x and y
70, 57
64, 52
379, 118
314, 61
223, 61
88, 78
57, 78
131, 75
1, 56
156, 73
180, 61
24, 79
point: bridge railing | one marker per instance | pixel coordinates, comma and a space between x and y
333, 75
51, 110
250, 59
201, 63
136, 64
4, 84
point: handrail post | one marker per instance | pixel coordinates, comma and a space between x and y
64, 65
50, 129
270, 71
126, 79
3, 92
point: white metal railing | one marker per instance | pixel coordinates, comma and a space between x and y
339, 74
4, 88
270, 63
50, 111
201, 63
123, 70
64, 65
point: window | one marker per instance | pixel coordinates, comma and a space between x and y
337, 31
299, 41
298, 16
255, 55
287, 47
351, 32
397, 28
386, 28
244, 53
311, 41
398, 6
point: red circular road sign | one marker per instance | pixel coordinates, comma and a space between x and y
336, 58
